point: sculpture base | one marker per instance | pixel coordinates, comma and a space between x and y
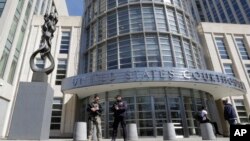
39, 77
32, 112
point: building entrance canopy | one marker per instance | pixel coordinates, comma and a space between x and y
218, 84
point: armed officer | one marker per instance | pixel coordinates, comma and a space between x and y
119, 108
95, 111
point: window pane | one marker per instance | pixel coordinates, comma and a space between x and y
229, 70
61, 71
242, 49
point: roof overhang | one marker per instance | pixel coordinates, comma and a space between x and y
217, 84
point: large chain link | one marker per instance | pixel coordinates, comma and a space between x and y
48, 29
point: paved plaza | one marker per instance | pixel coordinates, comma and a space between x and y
146, 139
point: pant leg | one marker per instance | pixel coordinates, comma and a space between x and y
115, 126
124, 130
232, 121
215, 127
91, 129
98, 125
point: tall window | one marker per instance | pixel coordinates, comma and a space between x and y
43, 7
56, 114
101, 57
139, 52
148, 18
65, 41
19, 44
212, 7
189, 55
61, 71
172, 20
49, 3
242, 48
189, 27
222, 48
112, 27
135, 19
153, 53
12, 71
238, 12
197, 53
93, 38
125, 52
179, 57
248, 69
11, 35
111, 4
182, 27
167, 57
102, 29
123, 21
112, 54
177, 2
209, 16
246, 8
229, 70
229, 11
37, 6
241, 110
95, 9
3, 62
2, 4
92, 55
161, 19
121, 2
221, 11
102, 6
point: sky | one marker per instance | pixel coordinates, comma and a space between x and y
75, 7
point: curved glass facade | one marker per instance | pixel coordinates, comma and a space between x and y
133, 33
141, 34
149, 108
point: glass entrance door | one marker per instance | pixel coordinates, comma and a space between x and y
160, 113
174, 110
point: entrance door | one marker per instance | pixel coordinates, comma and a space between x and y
175, 113
160, 113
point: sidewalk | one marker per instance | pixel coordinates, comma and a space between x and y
194, 138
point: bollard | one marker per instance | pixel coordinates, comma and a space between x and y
132, 132
207, 132
80, 132
169, 131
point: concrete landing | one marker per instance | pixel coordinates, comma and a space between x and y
195, 138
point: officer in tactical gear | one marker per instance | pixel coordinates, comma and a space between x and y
95, 110
119, 108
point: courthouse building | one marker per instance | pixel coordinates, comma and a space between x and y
226, 49
20, 34
149, 51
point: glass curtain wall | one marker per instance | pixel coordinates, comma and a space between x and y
149, 108
139, 33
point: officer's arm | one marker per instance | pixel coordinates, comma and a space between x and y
113, 107
89, 108
100, 108
124, 106
225, 113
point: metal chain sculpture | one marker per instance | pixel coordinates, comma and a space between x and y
48, 30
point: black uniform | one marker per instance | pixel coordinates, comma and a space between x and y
119, 117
